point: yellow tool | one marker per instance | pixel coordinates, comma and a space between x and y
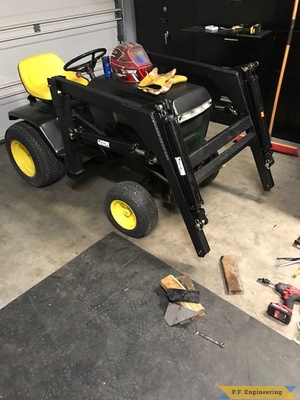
296, 273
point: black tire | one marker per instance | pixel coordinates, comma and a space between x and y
32, 158
131, 209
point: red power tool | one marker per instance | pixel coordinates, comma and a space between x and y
290, 295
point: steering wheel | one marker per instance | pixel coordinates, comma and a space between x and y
88, 66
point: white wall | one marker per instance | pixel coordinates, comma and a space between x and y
67, 31
20, 11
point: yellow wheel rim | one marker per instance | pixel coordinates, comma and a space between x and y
22, 158
123, 214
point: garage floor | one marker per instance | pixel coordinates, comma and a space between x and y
103, 338
42, 229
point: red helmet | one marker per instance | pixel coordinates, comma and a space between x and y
130, 62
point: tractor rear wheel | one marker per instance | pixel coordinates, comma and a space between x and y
131, 209
31, 157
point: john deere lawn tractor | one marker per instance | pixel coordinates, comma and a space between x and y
150, 114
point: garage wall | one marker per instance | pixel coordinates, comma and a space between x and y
32, 27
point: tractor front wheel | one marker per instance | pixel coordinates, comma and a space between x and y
32, 158
131, 209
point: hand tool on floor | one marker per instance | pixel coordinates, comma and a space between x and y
222, 345
290, 294
290, 261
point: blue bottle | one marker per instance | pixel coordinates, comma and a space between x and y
106, 67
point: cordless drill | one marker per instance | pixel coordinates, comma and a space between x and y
290, 294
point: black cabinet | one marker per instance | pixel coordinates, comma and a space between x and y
231, 49
227, 49
159, 26
150, 25
164, 27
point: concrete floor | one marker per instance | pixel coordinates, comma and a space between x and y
42, 229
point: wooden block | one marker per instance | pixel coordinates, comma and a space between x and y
186, 281
231, 274
170, 282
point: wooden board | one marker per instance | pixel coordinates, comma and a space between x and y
231, 274
170, 282
186, 281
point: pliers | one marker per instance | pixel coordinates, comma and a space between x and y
290, 260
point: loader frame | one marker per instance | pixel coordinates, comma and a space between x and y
158, 127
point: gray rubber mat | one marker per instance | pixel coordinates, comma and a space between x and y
95, 330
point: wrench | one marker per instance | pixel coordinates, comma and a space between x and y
290, 260
210, 339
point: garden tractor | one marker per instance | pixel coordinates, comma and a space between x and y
74, 116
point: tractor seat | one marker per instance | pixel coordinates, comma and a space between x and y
34, 72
